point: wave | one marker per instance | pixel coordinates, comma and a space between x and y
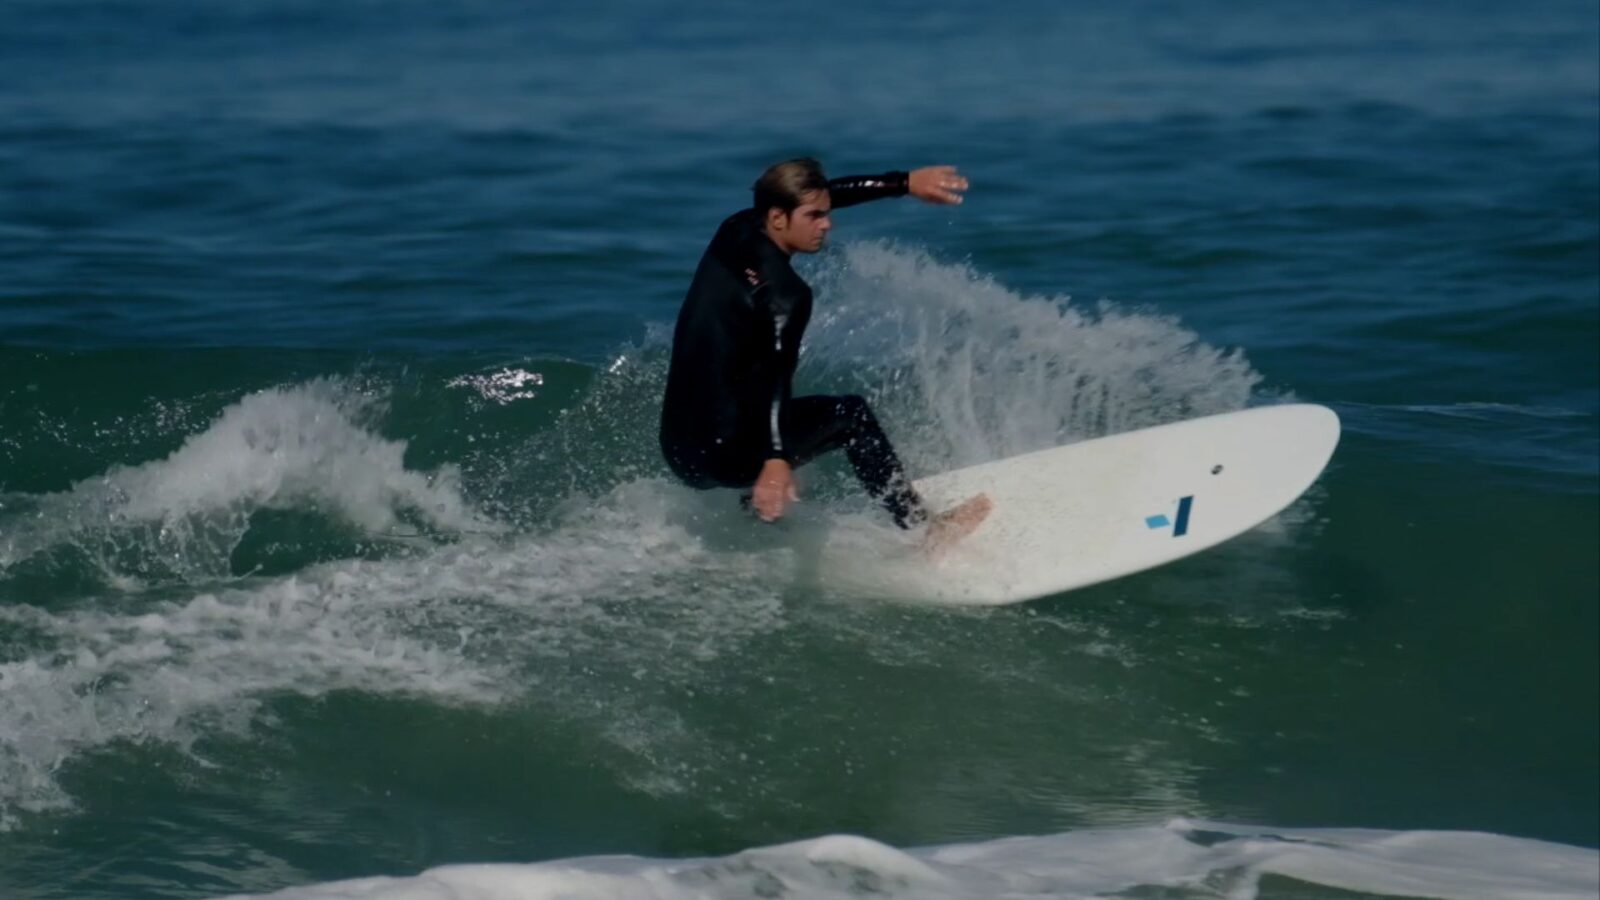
621, 572
1182, 859
301, 447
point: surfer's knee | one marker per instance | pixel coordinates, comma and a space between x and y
854, 409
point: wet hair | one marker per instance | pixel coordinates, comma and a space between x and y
785, 184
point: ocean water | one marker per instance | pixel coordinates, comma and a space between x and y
334, 543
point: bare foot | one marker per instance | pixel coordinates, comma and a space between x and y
954, 524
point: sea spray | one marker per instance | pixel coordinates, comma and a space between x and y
966, 370
302, 447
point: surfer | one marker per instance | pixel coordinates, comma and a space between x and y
729, 418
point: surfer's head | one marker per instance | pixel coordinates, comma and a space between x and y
792, 200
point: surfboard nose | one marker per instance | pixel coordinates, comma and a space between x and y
1320, 429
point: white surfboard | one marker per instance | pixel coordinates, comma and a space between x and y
1088, 512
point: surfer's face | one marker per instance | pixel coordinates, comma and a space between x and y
805, 229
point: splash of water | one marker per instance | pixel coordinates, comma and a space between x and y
301, 447
966, 370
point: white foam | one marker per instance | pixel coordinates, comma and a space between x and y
966, 370
619, 584
285, 448
1182, 858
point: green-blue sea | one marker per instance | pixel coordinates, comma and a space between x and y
335, 543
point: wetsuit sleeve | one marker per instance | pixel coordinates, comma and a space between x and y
853, 189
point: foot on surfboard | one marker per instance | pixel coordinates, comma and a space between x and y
955, 523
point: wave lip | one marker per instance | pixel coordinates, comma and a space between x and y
1210, 859
283, 448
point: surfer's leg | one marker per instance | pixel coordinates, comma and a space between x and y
819, 424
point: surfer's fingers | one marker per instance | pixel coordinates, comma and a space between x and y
770, 498
937, 184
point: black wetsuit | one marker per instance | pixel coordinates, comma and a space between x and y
729, 406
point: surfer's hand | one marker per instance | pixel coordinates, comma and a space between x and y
774, 490
937, 184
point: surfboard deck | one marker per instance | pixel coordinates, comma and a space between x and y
1076, 515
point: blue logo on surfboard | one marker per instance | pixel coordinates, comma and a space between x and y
1180, 527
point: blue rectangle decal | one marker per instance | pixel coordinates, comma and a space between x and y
1181, 527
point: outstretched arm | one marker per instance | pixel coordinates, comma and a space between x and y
934, 184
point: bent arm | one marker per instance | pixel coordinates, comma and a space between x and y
782, 389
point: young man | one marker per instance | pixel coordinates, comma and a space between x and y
729, 418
